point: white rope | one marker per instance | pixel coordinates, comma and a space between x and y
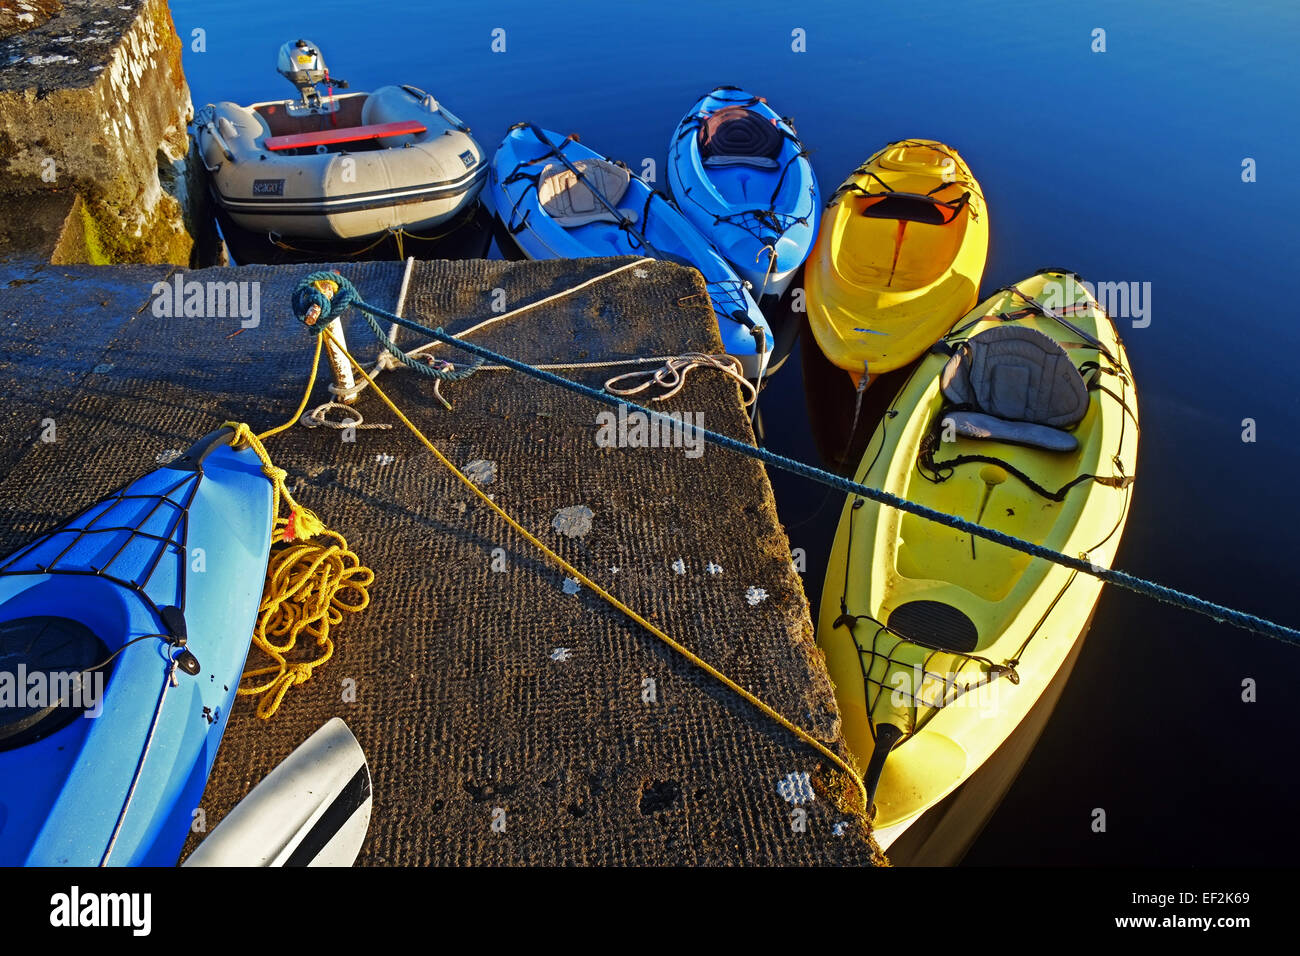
318, 417
671, 376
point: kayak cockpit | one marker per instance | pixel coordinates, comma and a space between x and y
900, 241
903, 230
52, 671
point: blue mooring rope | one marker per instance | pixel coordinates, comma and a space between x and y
306, 295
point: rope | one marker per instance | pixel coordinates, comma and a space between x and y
671, 376
397, 233
300, 522
278, 241
309, 587
388, 360
328, 294
302, 404
316, 418
310, 584
609, 598
1121, 579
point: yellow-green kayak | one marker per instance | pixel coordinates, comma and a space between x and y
940, 643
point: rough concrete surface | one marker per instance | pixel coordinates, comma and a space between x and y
480, 694
20, 16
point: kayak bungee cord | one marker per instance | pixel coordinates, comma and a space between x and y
328, 307
739, 313
974, 192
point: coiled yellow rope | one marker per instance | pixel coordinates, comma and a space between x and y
310, 584
309, 587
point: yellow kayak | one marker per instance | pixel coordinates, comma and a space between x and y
940, 643
898, 257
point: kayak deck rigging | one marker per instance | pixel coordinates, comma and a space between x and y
168, 540
620, 223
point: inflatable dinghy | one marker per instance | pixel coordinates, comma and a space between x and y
338, 166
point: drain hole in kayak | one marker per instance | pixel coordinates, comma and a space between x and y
42, 684
934, 624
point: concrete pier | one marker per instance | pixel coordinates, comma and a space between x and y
506, 719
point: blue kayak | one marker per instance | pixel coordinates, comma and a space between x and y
561, 200
130, 624
738, 172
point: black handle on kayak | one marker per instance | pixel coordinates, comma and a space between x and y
173, 618
886, 736
193, 458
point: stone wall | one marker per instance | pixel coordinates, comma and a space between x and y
93, 101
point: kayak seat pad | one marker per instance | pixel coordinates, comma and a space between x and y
569, 199
736, 136
980, 426
1015, 385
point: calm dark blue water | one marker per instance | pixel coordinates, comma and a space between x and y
1124, 165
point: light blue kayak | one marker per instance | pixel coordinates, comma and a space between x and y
561, 200
738, 172
161, 580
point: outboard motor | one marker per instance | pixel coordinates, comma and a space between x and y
303, 65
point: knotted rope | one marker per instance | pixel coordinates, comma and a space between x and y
310, 584
1129, 582
324, 296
